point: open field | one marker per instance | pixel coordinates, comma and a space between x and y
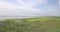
39, 24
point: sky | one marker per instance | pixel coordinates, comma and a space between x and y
30, 7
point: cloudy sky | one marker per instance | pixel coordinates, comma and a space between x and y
30, 7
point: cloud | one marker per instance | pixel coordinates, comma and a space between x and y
10, 9
31, 3
59, 2
5, 6
21, 10
53, 11
42, 1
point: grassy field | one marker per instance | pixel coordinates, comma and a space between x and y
39, 24
52, 24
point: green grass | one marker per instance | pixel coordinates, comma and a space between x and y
52, 24
39, 24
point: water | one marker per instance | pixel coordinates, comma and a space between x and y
14, 17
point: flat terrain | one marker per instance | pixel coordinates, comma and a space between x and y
39, 24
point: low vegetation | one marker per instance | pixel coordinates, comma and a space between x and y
39, 24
